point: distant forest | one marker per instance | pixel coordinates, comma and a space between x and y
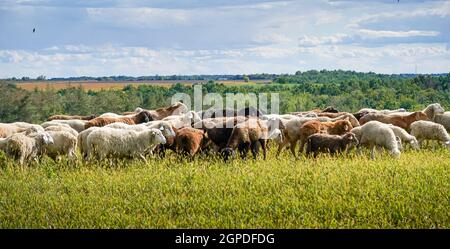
345, 90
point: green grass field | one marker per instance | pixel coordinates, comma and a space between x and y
343, 192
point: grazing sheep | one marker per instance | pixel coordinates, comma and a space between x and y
117, 143
311, 127
249, 134
164, 126
332, 144
141, 117
403, 121
443, 119
190, 141
69, 117
375, 133
219, 129
426, 130
405, 136
25, 148
76, 124
8, 129
64, 143
82, 141
62, 128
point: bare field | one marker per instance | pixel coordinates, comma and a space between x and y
96, 86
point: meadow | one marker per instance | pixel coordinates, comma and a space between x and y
349, 191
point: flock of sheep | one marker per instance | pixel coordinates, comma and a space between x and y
143, 132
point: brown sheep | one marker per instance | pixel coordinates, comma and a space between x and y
247, 135
333, 128
141, 117
402, 121
332, 144
174, 109
190, 141
68, 117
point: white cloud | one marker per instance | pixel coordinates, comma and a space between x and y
322, 40
387, 33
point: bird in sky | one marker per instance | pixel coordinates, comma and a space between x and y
34, 30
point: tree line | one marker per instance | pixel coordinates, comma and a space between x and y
345, 90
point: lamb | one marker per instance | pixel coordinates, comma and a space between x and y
248, 134
141, 117
190, 141
117, 143
25, 148
330, 143
375, 133
64, 143
426, 130
395, 119
311, 127
405, 136
443, 119
76, 124
69, 117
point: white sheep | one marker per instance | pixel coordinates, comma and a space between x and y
443, 119
109, 142
8, 129
385, 111
183, 120
405, 136
164, 126
427, 130
62, 128
82, 141
374, 133
64, 143
76, 124
25, 148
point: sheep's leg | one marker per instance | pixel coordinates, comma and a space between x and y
143, 158
264, 147
292, 147
372, 153
254, 148
281, 146
302, 146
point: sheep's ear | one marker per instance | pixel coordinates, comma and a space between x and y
346, 127
190, 115
161, 128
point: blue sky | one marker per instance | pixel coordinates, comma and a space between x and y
165, 37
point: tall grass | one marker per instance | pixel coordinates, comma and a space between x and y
330, 192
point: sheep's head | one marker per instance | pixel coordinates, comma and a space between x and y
157, 136
420, 116
414, 144
227, 153
350, 139
399, 143
167, 130
45, 138
276, 135
447, 144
